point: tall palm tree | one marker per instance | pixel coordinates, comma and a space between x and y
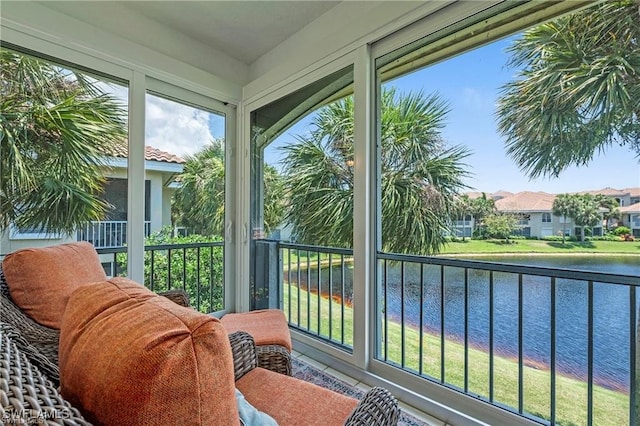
199, 202
481, 207
578, 90
563, 205
420, 175
587, 212
55, 126
611, 205
464, 206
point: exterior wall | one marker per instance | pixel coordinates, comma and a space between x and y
167, 194
561, 224
9, 243
155, 200
632, 221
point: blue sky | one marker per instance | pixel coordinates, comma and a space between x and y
470, 83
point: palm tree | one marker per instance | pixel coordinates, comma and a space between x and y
611, 205
420, 176
563, 205
587, 212
55, 126
464, 206
481, 207
199, 203
578, 90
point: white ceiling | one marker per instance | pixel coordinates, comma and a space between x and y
244, 30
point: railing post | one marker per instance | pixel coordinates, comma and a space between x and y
266, 293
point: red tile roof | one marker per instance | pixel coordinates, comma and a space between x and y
611, 192
150, 154
526, 201
633, 208
634, 192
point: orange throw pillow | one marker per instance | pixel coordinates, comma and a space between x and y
131, 357
40, 280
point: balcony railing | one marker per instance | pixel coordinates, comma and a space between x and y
197, 268
553, 345
107, 233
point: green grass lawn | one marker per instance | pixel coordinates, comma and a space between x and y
541, 246
609, 407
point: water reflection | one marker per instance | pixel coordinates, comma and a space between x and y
611, 332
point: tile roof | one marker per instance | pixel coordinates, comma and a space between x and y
501, 194
633, 208
495, 195
121, 150
611, 192
634, 192
526, 201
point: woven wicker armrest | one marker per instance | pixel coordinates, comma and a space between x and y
377, 408
27, 396
243, 348
44, 339
275, 358
177, 296
31, 352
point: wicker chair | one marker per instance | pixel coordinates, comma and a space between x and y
27, 396
29, 372
46, 339
377, 408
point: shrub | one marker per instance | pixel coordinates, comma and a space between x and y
197, 270
622, 230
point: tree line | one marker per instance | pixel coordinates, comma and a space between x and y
577, 91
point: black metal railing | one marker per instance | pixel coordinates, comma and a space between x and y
556, 346
317, 291
197, 268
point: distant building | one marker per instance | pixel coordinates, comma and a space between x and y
535, 210
161, 168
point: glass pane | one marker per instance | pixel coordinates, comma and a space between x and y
533, 138
185, 200
302, 207
64, 136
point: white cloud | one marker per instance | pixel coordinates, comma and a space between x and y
175, 128
477, 100
170, 126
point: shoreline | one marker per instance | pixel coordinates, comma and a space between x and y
524, 253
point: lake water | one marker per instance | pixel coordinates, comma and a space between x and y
611, 311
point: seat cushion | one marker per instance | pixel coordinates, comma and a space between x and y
297, 402
267, 326
131, 357
40, 280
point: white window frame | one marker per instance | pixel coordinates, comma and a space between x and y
16, 234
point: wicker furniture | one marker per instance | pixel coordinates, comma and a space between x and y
27, 396
29, 377
27, 393
378, 407
270, 332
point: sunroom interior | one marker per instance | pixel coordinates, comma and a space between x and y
259, 67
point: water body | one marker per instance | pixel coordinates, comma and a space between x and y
611, 332
612, 328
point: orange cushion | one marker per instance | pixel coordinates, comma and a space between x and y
296, 402
131, 357
40, 280
267, 326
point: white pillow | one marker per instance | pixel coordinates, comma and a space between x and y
250, 416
